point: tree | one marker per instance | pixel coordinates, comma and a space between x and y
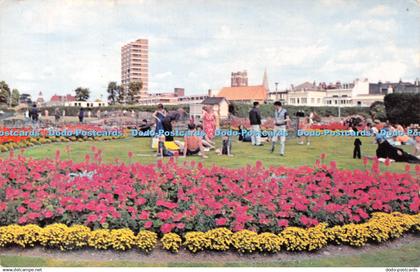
133, 90
4, 93
402, 108
377, 110
82, 94
114, 91
15, 98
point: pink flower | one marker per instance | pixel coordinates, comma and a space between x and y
283, 223
21, 209
48, 214
144, 215
148, 224
221, 221
92, 218
166, 228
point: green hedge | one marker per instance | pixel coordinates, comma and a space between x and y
241, 110
74, 111
403, 108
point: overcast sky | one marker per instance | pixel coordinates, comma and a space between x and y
56, 46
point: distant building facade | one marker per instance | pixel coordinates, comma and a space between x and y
135, 65
60, 100
239, 79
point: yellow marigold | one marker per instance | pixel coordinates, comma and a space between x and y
76, 237
269, 242
146, 240
351, 234
27, 236
219, 239
54, 236
122, 239
245, 241
196, 241
317, 237
295, 239
171, 242
7, 235
100, 239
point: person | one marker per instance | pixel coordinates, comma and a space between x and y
226, 146
81, 114
159, 115
209, 121
243, 134
357, 143
192, 143
386, 150
168, 121
57, 115
144, 126
281, 119
162, 151
255, 120
207, 143
34, 113
305, 125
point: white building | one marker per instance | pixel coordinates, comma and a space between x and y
86, 104
306, 94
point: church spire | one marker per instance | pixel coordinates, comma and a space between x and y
265, 80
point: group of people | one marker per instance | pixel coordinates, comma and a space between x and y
281, 119
198, 139
389, 136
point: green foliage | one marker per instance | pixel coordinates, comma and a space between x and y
133, 91
242, 110
377, 110
114, 92
4, 93
82, 94
15, 97
403, 108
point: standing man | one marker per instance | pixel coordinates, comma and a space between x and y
81, 114
255, 120
281, 119
57, 115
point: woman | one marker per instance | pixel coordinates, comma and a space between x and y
159, 115
209, 122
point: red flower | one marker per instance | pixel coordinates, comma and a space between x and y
283, 223
166, 228
221, 221
21, 209
148, 224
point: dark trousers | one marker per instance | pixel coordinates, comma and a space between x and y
167, 128
356, 152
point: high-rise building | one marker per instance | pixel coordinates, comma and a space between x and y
135, 65
239, 79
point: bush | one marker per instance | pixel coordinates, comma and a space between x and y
401, 108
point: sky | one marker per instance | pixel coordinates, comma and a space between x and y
55, 46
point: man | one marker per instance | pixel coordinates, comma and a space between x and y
57, 115
33, 114
192, 143
255, 120
81, 114
167, 122
281, 119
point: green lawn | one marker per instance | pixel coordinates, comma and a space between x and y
336, 148
406, 255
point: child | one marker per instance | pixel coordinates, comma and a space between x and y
357, 144
162, 151
226, 146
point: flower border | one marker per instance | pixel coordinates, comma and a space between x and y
381, 227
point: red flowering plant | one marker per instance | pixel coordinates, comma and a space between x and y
171, 197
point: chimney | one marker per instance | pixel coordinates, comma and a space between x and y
210, 93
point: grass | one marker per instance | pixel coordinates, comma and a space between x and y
403, 256
339, 149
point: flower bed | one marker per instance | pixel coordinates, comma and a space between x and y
180, 198
12, 142
381, 227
